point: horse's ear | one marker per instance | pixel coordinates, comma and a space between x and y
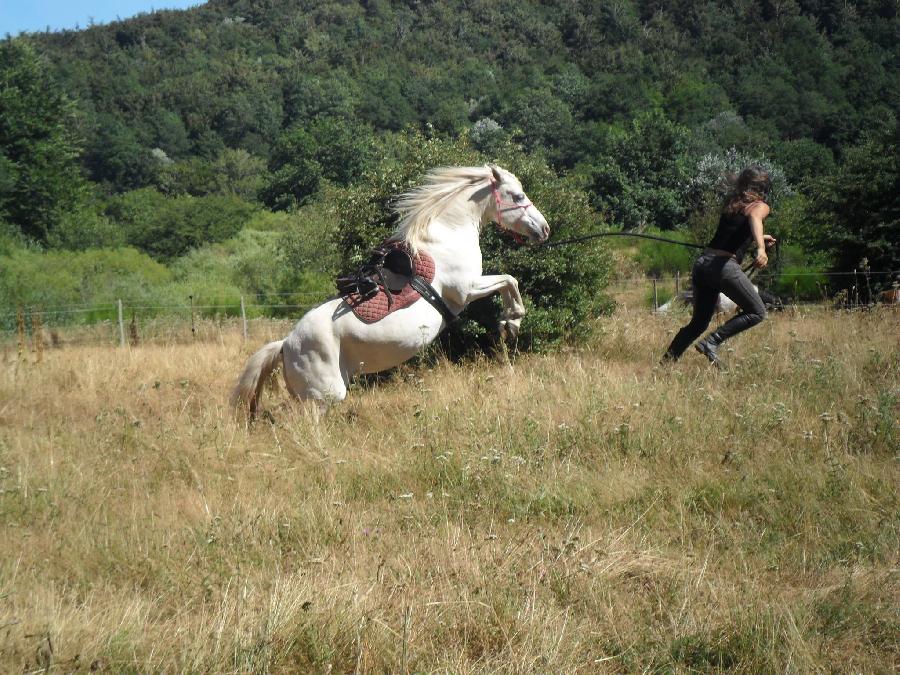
495, 170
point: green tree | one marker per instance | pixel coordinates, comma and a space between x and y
545, 121
40, 180
117, 159
857, 208
328, 148
233, 172
167, 228
638, 181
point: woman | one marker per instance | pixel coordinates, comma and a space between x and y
718, 269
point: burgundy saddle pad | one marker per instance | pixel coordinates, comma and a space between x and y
376, 308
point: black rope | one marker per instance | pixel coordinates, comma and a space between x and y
750, 267
620, 234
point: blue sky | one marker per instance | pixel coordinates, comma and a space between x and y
35, 15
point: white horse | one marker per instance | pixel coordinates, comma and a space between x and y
444, 218
724, 304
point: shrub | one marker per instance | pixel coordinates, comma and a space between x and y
659, 258
167, 228
84, 228
98, 276
307, 252
708, 185
796, 274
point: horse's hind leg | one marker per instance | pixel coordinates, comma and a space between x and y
312, 372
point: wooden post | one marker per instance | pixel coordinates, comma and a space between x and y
193, 326
244, 318
37, 335
20, 330
121, 326
855, 289
404, 656
133, 331
655, 297
677, 283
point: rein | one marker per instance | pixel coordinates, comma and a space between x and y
621, 234
749, 269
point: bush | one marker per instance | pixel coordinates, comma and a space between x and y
308, 254
92, 277
659, 258
708, 185
795, 274
84, 228
638, 177
562, 287
167, 228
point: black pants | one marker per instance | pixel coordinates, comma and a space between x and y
713, 275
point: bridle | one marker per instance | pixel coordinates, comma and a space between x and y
503, 207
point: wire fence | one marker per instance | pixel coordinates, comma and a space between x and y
140, 322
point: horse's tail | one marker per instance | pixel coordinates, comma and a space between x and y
255, 376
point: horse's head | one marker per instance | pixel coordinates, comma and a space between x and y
512, 209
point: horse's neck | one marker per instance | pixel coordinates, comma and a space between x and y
453, 239
455, 249
457, 252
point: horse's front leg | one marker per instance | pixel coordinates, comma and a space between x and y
508, 287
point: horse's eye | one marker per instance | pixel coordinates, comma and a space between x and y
519, 196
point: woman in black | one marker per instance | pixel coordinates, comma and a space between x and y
718, 269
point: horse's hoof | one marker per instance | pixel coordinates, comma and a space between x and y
509, 328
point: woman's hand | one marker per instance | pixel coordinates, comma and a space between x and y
769, 240
761, 259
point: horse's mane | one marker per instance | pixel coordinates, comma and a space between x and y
418, 207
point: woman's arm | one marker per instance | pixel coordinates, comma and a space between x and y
757, 213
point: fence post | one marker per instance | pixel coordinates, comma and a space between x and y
244, 318
37, 335
20, 330
133, 331
193, 326
855, 289
677, 283
655, 296
121, 326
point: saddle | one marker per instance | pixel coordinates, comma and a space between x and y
390, 280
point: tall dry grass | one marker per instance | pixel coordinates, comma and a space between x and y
580, 511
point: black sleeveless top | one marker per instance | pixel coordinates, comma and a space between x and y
734, 233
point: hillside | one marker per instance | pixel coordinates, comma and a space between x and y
236, 73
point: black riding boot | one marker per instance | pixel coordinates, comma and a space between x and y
709, 347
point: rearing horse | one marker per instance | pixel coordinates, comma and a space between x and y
444, 218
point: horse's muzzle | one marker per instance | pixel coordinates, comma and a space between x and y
539, 237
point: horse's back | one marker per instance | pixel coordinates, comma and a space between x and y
332, 333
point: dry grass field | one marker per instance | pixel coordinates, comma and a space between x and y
581, 511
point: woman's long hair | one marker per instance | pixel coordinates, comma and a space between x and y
752, 185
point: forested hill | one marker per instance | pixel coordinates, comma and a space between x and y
233, 143
235, 73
